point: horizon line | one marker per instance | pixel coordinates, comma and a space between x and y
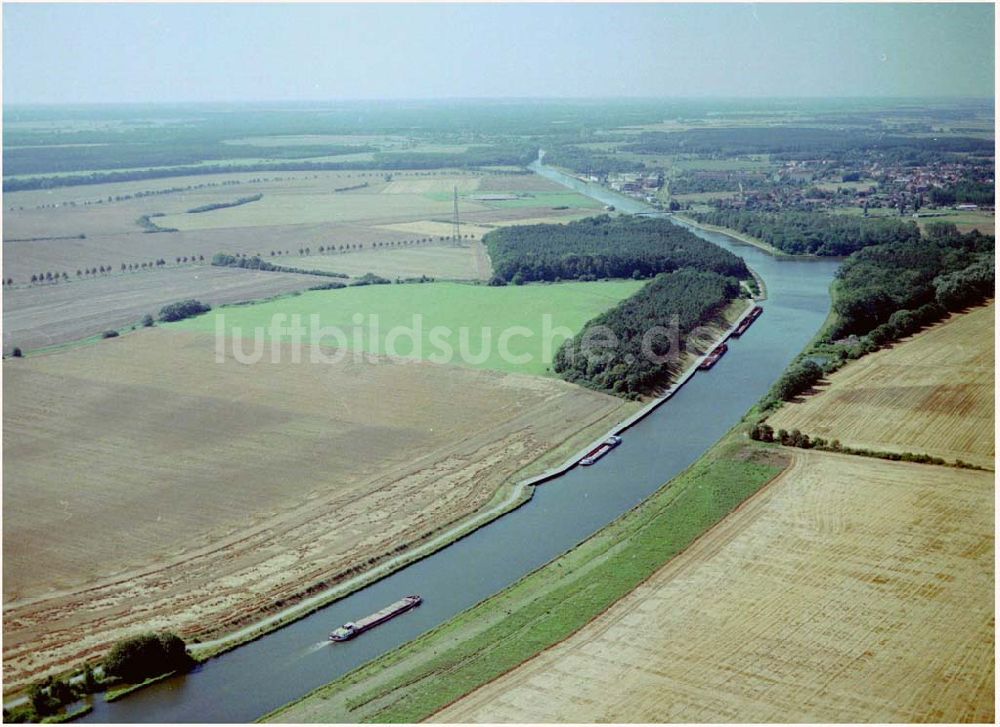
459, 99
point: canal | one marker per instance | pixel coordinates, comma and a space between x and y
245, 683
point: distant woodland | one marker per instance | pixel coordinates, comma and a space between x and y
603, 247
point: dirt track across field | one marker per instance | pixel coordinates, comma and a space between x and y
848, 590
148, 487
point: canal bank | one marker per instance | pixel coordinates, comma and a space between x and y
550, 604
507, 499
285, 664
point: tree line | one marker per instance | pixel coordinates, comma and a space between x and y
886, 292
255, 262
801, 233
603, 247
790, 142
518, 155
224, 205
694, 297
55, 277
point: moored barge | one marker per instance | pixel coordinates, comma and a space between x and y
713, 358
745, 323
600, 450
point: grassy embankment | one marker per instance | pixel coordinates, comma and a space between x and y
548, 605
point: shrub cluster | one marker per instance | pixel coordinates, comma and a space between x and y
183, 309
797, 378
147, 655
223, 205
332, 285
147, 224
370, 279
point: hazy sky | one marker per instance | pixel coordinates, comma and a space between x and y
226, 52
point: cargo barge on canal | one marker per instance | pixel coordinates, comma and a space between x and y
745, 323
354, 628
713, 358
600, 450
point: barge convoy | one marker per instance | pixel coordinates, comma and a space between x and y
706, 363
719, 351
600, 450
713, 358
745, 323
354, 628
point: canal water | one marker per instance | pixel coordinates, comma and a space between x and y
245, 683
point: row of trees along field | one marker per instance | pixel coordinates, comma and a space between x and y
814, 233
695, 297
603, 247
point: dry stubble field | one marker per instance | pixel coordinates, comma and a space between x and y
147, 487
848, 590
932, 393
45, 315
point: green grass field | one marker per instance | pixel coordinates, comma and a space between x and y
485, 313
542, 609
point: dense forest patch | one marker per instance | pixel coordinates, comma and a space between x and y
639, 361
815, 234
603, 247
890, 290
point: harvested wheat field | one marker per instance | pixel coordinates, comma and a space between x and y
147, 486
847, 590
932, 393
468, 261
44, 315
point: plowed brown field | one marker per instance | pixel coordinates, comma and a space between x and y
146, 486
848, 590
932, 393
